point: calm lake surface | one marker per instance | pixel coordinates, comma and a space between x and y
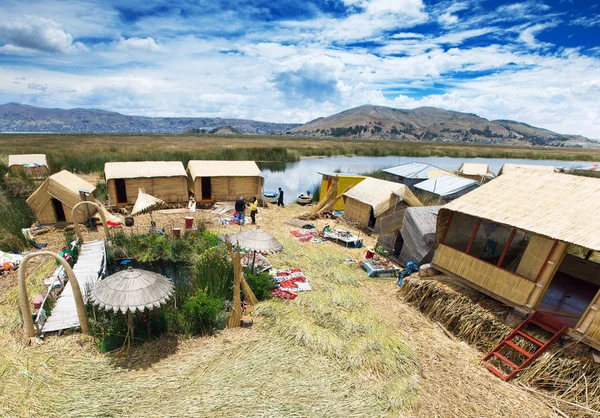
295, 178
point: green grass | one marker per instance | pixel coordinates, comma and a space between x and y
88, 153
14, 215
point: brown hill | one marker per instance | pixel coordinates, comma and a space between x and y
432, 124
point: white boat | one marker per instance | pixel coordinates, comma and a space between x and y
270, 197
304, 198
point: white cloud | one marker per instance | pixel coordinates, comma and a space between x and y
138, 44
38, 34
527, 35
447, 19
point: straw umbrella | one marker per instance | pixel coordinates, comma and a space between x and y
146, 203
255, 240
130, 290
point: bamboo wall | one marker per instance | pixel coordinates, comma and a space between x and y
357, 211
169, 189
35, 172
231, 188
485, 275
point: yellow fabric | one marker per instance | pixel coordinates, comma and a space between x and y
254, 205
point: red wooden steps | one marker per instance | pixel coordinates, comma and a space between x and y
536, 318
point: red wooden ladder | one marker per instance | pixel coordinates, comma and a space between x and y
538, 319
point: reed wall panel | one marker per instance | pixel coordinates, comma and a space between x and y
487, 276
593, 331
534, 257
357, 211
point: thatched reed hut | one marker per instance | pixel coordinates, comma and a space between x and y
224, 180
413, 173
372, 199
445, 188
165, 180
344, 182
531, 242
33, 165
54, 200
410, 238
477, 172
511, 168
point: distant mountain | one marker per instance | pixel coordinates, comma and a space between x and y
433, 124
15, 117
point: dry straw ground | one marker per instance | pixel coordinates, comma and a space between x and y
348, 348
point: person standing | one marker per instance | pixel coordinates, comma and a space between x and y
280, 198
254, 209
192, 203
240, 207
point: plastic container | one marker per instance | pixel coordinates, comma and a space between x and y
189, 222
177, 232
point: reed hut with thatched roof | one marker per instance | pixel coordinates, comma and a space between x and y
372, 199
165, 180
224, 180
33, 165
344, 182
511, 168
54, 200
531, 242
477, 172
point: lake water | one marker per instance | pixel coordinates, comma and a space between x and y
297, 177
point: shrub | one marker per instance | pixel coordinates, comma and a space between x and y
148, 248
200, 313
14, 215
214, 272
260, 283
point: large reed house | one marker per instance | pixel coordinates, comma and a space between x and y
477, 172
165, 180
33, 165
531, 241
224, 180
372, 199
511, 168
54, 200
345, 181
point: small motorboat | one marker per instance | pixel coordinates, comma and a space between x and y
304, 198
270, 197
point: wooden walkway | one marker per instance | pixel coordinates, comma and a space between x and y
88, 269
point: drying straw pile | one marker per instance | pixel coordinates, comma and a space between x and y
573, 379
457, 310
470, 316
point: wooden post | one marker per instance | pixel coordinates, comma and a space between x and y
236, 310
24, 299
473, 236
505, 250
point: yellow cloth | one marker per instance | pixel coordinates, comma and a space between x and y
254, 206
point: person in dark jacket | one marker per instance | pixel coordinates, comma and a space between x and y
240, 207
280, 198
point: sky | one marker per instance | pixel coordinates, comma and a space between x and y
295, 60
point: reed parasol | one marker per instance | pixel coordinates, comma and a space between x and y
146, 203
255, 240
130, 290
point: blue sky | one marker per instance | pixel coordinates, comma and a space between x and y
295, 60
